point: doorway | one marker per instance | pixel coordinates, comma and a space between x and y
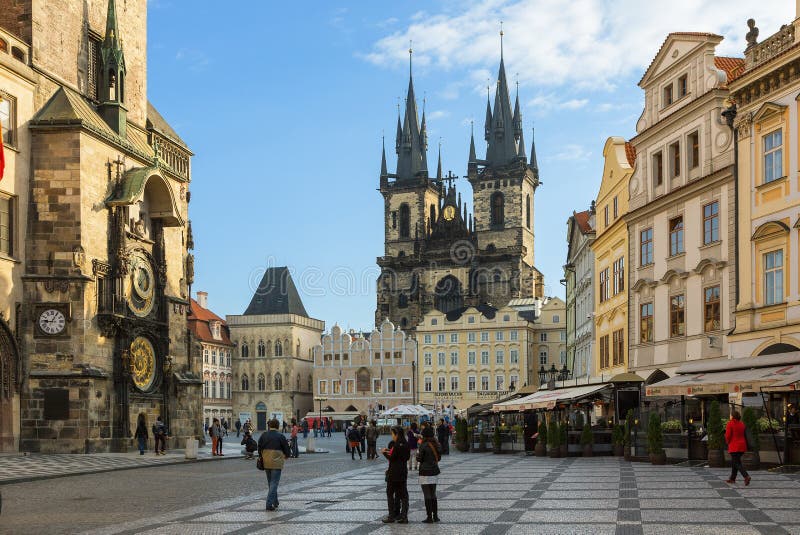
261, 421
9, 392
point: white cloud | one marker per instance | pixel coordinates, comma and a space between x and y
546, 102
439, 114
583, 43
571, 152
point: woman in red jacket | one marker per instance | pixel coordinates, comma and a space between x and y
737, 445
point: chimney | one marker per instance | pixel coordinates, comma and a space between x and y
202, 299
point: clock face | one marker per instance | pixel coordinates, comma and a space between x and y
141, 285
449, 212
143, 363
52, 321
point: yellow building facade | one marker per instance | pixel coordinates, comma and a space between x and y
767, 318
610, 258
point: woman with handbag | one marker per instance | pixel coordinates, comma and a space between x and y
428, 456
397, 477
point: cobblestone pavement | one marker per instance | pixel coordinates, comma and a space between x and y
488, 494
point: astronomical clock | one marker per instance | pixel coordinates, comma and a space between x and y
140, 284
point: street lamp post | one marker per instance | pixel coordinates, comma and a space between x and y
321, 401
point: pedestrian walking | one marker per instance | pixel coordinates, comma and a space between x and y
329, 427
362, 435
737, 446
372, 434
224, 427
273, 448
347, 437
429, 456
354, 437
160, 435
238, 426
141, 433
397, 453
205, 427
443, 434
412, 439
293, 443
250, 445
304, 426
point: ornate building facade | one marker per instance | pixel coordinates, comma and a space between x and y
213, 335
363, 374
579, 275
275, 337
101, 265
437, 256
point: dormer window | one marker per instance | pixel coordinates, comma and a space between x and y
683, 86
667, 97
215, 330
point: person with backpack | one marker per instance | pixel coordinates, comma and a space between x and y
160, 436
273, 449
397, 453
141, 433
737, 446
428, 456
250, 445
354, 438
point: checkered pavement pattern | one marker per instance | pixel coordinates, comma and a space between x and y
499, 494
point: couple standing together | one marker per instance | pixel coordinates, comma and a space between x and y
398, 453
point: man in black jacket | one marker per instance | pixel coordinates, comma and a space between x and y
443, 434
273, 448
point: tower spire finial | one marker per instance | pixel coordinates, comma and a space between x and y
439, 166
501, 39
410, 53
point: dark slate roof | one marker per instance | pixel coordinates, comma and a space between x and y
276, 294
158, 123
486, 310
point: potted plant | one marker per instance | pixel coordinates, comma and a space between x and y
586, 440
716, 436
497, 441
462, 442
655, 440
618, 440
629, 423
751, 459
554, 439
671, 426
541, 441
563, 443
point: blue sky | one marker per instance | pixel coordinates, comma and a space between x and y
284, 105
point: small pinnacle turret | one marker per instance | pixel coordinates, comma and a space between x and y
111, 91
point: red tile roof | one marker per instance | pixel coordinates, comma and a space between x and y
630, 153
198, 322
733, 67
582, 219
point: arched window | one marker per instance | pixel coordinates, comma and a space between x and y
447, 294
245, 382
433, 213
262, 349
278, 348
298, 382
528, 211
310, 383
262, 382
405, 221
245, 350
498, 206
278, 381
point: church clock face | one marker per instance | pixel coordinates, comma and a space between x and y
449, 212
52, 322
143, 363
141, 285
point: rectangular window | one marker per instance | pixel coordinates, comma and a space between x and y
454, 383
711, 223
228, 358
646, 248
694, 150
667, 96
498, 336
471, 358
562, 357
683, 86
484, 337
677, 320
453, 338
322, 386
513, 356
675, 159
350, 386
646, 322
336, 386
428, 359
441, 384
405, 385
543, 337
513, 335
604, 356
605, 215
7, 225
773, 156
454, 358
773, 277
205, 356
205, 389
542, 357
471, 383
376, 386
214, 356
616, 207
93, 67
618, 348
499, 356
391, 386
619, 275
676, 236
440, 358
556, 318
471, 337
8, 120
428, 384
658, 168
604, 286
711, 309
484, 383
485, 358
499, 382
513, 381
427, 338
378, 355
440, 338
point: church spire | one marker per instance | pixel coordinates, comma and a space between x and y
439, 165
517, 117
502, 148
521, 147
384, 171
112, 76
472, 163
487, 125
411, 160
534, 165
399, 136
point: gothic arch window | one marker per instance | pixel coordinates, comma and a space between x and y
498, 208
262, 349
245, 350
402, 301
404, 323
528, 211
298, 382
448, 294
310, 383
298, 352
278, 381
405, 221
433, 213
278, 348
8, 363
245, 382
262, 382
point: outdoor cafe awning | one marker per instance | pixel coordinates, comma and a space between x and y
729, 376
547, 399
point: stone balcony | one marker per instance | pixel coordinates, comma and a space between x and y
770, 47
